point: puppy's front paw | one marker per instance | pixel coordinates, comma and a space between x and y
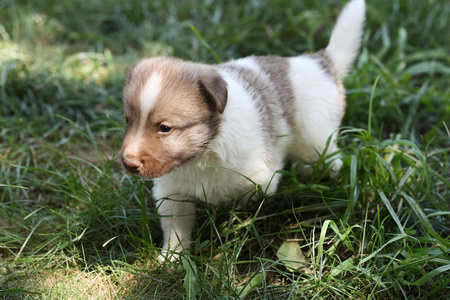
167, 256
336, 165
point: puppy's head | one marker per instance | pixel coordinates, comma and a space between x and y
172, 110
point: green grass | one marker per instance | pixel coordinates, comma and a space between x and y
74, 226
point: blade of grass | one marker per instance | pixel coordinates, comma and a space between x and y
205, 43
429, 276
391, 211
27, 239
372, 94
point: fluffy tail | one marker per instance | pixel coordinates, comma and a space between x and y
346, 36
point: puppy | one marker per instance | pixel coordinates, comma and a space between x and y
210, 132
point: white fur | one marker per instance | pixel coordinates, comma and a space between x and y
250, 63
147, 99
318, 112
346, 36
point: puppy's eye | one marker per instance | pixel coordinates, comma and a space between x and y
164, 129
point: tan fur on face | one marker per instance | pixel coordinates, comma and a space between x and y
190, 101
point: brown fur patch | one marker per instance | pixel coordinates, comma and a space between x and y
278, 68
325, 63
215, 89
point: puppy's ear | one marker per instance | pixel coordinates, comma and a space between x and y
215, 90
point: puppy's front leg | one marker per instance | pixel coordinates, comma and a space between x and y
177, 221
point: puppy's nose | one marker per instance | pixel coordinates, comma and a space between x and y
131, 165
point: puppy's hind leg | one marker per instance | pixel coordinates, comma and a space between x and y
177, 215
267, 178
310, 151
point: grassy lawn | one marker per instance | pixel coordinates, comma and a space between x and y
74, 226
